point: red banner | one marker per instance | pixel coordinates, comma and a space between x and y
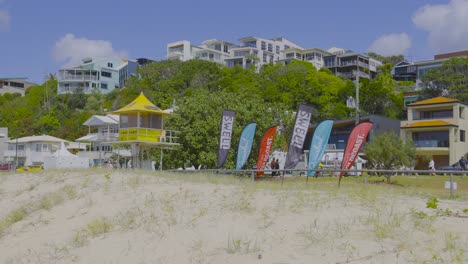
266, 145
355, 141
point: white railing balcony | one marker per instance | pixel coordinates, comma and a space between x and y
77, 77
13, 153
107, 136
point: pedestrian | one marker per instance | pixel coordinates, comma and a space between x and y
319, 170
277, 166
432, 166
335, 166
272, 167
462, 162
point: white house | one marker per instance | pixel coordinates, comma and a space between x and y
32, 150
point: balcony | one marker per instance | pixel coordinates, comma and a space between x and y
148, 135
77, 75
13, 153
62, 89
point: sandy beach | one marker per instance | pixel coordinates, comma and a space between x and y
102, 216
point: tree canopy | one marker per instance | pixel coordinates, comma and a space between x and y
388, 151
201, 90
450, 80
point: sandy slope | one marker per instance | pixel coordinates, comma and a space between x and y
137, 217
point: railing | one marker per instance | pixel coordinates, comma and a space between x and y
74, 77
148, 135
72, 89
13, 153
106, 136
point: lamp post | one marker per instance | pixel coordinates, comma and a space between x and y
357, 96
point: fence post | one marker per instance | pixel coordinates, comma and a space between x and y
451, 185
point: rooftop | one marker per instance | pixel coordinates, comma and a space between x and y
435, 100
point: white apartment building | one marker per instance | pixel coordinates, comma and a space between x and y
314, 56
14, 85
253, 51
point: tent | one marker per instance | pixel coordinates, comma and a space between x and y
63, 159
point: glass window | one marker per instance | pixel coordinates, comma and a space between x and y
264, 57
270, 47
462, 135
263, 45
277, 50
103, 85
45, 147
431, 139
462, 112
106, 74
286, 47
110, 65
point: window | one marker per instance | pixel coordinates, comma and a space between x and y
271, 59
461, 112
432, 114
110, 65
42, 147
217, 47
103, 85
263, 45
286, 47
462, 135
225, 49
264, 57
289, 55
20, 147
16, 84
106, 74
431, 139
270, 47
277, 50
310, 56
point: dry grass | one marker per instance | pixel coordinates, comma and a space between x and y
213, 218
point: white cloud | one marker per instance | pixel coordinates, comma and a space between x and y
447, 25
70, 50
5, 19
391, 44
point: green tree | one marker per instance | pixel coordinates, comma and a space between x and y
388, 151
450, 80
394, 59
379, 96
198, 121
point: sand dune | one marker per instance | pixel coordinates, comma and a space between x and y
100, 216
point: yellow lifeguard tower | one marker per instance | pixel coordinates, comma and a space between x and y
142, 123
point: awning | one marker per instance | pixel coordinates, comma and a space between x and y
88, 138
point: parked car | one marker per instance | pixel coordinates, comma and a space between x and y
453, 167
30, 168
5, 167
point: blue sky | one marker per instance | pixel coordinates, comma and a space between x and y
38, 37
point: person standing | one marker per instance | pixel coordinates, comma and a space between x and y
432, 166
335, 166
462, 163
319, 170
272, 167
277, 166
